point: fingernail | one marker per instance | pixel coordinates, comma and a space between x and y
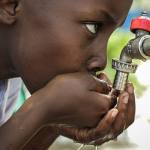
100, 76
91, 143
126, 99
130, 88
110, 136
109, 87
114, 113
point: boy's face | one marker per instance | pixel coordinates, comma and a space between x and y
62, 36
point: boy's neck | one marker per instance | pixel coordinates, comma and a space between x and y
6, 69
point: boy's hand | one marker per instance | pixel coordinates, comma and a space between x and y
77, 99
88, 135
125, 117
112, 125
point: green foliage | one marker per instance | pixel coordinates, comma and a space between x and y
116, 43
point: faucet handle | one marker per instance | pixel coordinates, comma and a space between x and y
141, 23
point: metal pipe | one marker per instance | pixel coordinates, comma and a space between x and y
120, 80
146, 47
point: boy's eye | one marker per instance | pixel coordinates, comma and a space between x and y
93, 27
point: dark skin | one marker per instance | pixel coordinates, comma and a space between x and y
55, 46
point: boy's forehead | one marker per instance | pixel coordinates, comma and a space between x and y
112, 7
84, 4
105, 4
116, 9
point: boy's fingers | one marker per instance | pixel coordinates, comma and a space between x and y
105, 125
103, 102
105, 139
93, 83
103, 76
122, 107
87, 135
131, 105
77, 134
120, 121
102, 86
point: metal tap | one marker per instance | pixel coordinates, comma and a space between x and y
137, 48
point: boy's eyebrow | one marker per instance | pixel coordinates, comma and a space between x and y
113, 18
110, 17
106, 14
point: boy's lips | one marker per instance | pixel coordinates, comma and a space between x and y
95, 73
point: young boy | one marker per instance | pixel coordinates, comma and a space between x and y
56, 47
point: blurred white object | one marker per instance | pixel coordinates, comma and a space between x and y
143, 73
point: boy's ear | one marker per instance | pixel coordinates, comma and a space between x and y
8, 11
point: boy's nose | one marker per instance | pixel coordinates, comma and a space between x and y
98, 57
96, 63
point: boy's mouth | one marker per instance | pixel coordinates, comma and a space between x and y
95, 72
